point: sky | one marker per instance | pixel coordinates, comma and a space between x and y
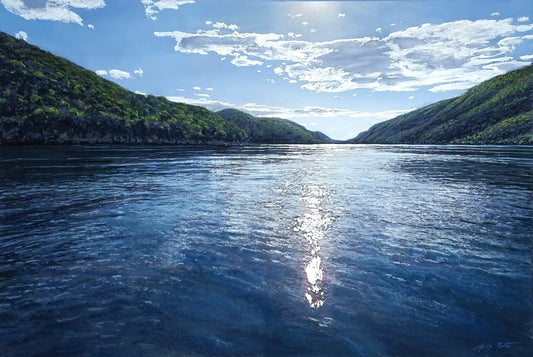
334, 66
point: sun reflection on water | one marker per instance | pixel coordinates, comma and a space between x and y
313, 224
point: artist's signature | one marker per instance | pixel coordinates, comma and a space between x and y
486, 347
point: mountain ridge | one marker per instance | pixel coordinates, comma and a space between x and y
46, 99
497, 111
270, 130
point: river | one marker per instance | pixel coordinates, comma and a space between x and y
328, 250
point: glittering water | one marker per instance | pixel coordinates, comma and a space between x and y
270, 250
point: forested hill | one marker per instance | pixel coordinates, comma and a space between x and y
498, 111
273, 130
47, 99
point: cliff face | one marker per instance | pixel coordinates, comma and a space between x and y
273, 130
46, 99
498, 111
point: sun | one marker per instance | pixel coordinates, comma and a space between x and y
314, 8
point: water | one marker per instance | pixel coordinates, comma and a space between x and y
270, 250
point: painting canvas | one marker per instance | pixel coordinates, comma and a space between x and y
266, 178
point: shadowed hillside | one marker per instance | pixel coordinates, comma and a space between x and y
273, 130
498, 111
47, 99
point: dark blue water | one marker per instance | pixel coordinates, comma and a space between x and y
270, 250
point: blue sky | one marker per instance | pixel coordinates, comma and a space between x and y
334, 66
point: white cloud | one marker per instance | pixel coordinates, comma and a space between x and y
152, 8
113, 73
139, 72
244, 61
118, 74
526, 57
379, 29
21, 35
305, 23
202, 95
181, 89
279, 71
209, 89
53, 10
294, 35
293, 16
523, 19
341, 15
449, 56
495, 14
197, 88
209, 22
412, 97
91, 27
222, 25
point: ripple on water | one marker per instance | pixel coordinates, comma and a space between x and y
269, 250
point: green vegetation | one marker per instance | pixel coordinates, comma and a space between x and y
498, 111
47, 99
272, 130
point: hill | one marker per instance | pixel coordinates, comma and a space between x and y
47, 99
498, 111
273, 130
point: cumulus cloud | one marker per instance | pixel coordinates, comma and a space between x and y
53, 10
449, 56
90, 26
222, 25
114, 73
118, 74
21, 35
495, 14
152, 8
523, 19
341, 15
244, 61
379, 29
279, 71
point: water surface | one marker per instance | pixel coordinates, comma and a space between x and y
270, 250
